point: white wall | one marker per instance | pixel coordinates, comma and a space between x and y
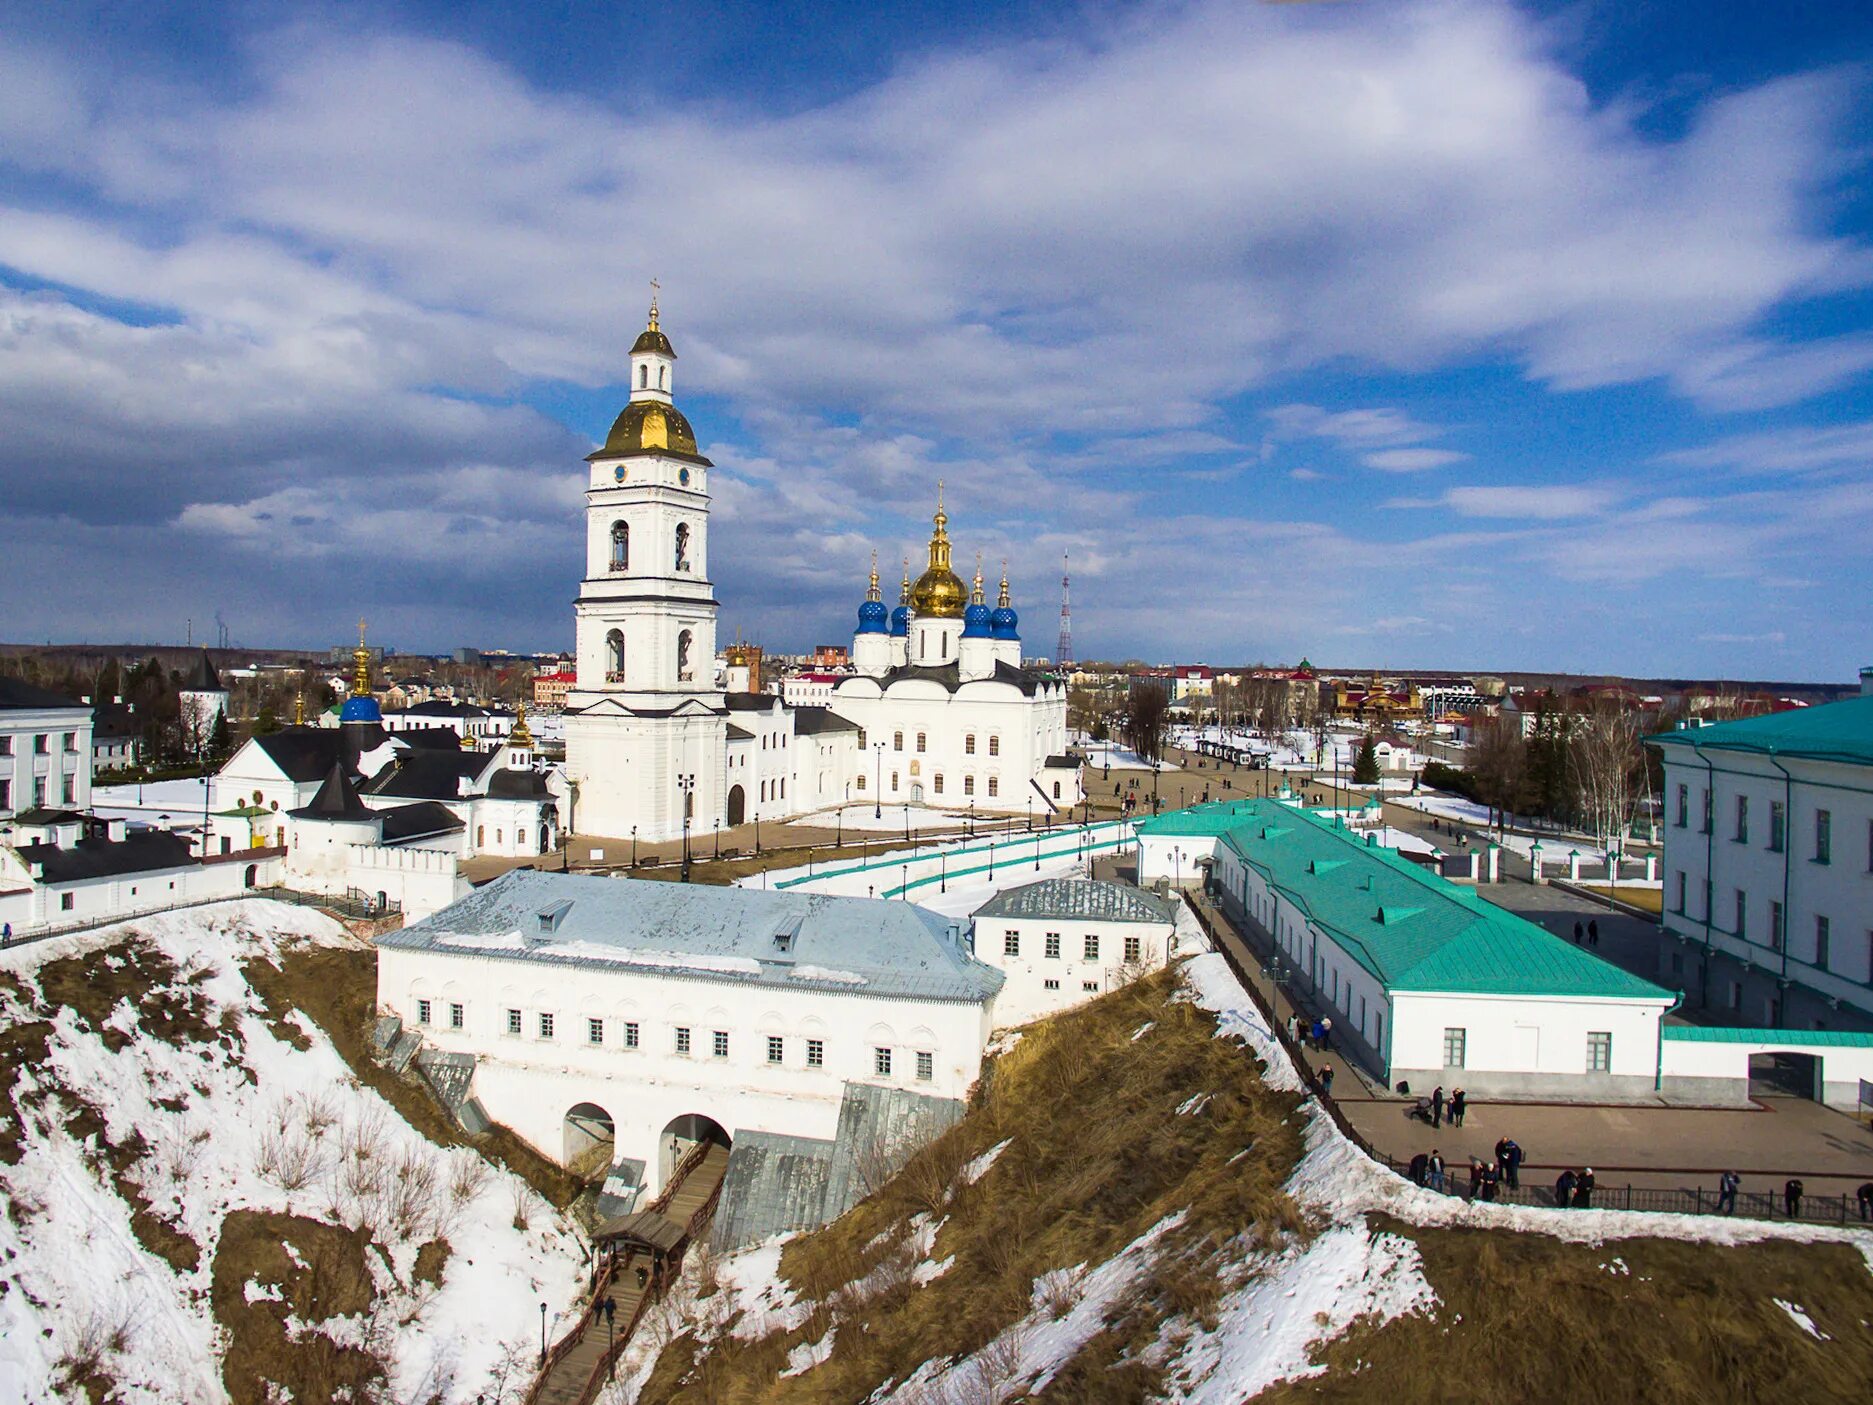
1711, 1068
63, 771
1544, 1036
1029, 969
530, 1082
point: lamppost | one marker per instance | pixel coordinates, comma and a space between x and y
1037, 851
1030, 804
877, 784
972, 817
543, 1334
991, 860
718, 838
757, 831
943, 870
686, 784
633, 846
903, 881
907, 821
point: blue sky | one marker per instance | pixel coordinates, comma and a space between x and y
1422, 335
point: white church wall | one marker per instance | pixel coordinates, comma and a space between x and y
1085, 959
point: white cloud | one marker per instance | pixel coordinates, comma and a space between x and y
1802, 449
1545, 503
1412, 460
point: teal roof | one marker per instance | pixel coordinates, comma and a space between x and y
1721, 1034
1837, 731
1210, 821
1411, 929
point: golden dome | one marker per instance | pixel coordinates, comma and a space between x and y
650, 427
652, 337
938, 593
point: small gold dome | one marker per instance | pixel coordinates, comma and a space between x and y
650, 427
938, 593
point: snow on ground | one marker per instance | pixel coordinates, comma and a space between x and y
1801, 1319
1112, 756
862, 816
979, 1167
1555, 844
213, 1112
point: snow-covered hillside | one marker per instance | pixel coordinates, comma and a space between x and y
201, 1198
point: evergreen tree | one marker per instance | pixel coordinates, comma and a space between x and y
220, 740
267, 722
1366, 764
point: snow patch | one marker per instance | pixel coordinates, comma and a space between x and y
1802, 1320
979, 1167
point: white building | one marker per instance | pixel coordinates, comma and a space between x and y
653, 1015
1769, 862
201, 702
45, 750
1063, 941
1426, 982
650, 739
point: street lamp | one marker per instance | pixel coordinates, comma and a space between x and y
991, 860
1030, 804
686, 784
903, 881
943, 870
972, 817
633, 846
718, 838
907, 821
877, 789
543, 1334
1037, 851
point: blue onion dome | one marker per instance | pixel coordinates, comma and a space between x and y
1003, 622
360, 709
900, 621
872, 617
977, 623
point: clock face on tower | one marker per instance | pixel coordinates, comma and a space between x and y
619, 472
682, 476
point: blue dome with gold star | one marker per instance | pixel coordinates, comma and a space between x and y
872, 617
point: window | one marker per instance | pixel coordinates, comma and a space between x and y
6, 800
1051, 985
682, 546
1680, 905
1092, 948
1821, 935
881, 1062
1134, 948
643, 377
71, 743
937, 782
630, 1034
994, 785
6, 746
1091, 987
1704, 827
65, 902
969, 744
1454, 1042
682, 1039
1742, 912
458, 1017
1599, 1051
620, 546
894, 780
1742, 819
1053, 946
718, 1043
614, 656
39, 745
39, 790
776, 1049
423, 1011
861, 783
1823, 836
1684, 806
816, 1053
1011, 943
926, 1065
513, 1023
969, 785
995, 746
921, 742
594, 1031
546, 1025
1775, 925
897, 741
685, 667
1778, 825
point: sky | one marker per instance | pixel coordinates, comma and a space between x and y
1419, 335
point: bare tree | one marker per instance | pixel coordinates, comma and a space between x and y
1499, 762
1147, 715
1606, 766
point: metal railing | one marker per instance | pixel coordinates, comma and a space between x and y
1839, 1209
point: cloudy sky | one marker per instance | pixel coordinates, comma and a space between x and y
1415, 334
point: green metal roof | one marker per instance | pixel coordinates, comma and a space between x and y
1721, 1034
1411, 929
1837, 731
1210, 821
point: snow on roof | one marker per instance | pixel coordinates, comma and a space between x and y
1087, 898
777, 939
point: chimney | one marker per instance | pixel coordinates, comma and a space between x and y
1866, 681
114, 831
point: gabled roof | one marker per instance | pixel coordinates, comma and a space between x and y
737, 733
853, 946
305, 754
20, 696
443, 707
812, 721
337, 799
1095, 900
113, 721
202, 677
1837, 731
751, 702
418, 821
510, 784
428, 775
1411, 929
430, 738
949, 675
97, 857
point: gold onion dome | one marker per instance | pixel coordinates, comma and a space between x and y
650, 427
939, 594
652, 337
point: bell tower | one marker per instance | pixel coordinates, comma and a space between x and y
645, 728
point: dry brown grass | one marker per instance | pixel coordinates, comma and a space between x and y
1524, 1317
1097, 1155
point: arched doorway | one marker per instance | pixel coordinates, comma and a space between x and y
250, 875
589, 1140
681, 1135
737, 805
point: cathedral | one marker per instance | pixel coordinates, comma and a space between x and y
938, 710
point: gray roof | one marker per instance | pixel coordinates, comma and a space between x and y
809, 721
854, 946
1093, 899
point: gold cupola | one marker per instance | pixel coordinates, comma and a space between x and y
650, 423
939, 593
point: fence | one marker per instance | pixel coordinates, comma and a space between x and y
936, 865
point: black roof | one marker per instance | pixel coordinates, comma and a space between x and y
427, 775
432, 738
41, 816
950, 676
809, 721
98, 857
415, 821
441, 707
337, 799
113, 720
739, 734
750, 702
24, 696
202, 677
308, 754
510, 784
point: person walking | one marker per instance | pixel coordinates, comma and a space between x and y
1326, 1079
1437, 1106
1418, 1169
1326, 1034
1512, 1170
1457, 1108
1593, 931
1791, 1198
1502, 1155
1865, 1196
1564, 1189
1294, 1029
1476, 1177
1583, 1189
1579, 931
1313, 1035
1434, 1170
1727, 1185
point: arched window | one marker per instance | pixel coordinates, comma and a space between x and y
620, 546
921, 742
682, 546
643, 375
969, 785
685, 669
1056, 790
897, 741
994, 786
936, 782
859, 786
995, 746
663, 373
969, 744
614, 656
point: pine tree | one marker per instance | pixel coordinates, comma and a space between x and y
1366, 764
219, 738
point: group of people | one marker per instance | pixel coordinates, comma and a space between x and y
1452, 1107
1487, 1178
1319, 1034
1591, 932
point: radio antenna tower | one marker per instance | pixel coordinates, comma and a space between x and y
1063, 653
